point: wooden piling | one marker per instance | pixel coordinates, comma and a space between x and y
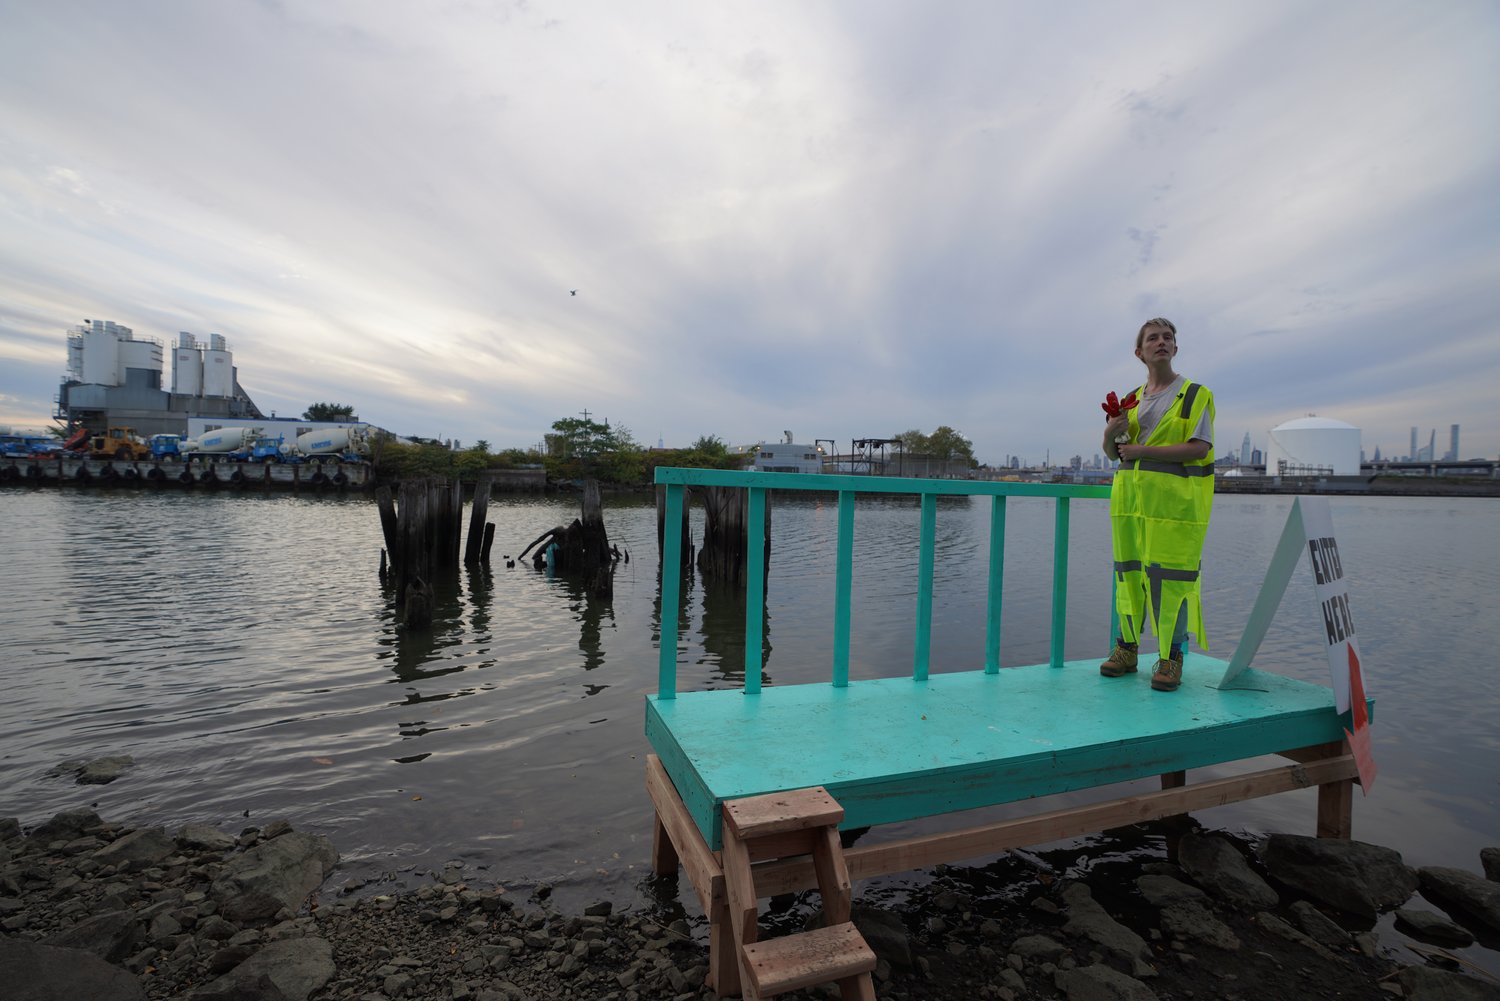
475, 551
726, 534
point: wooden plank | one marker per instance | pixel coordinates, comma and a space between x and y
739, 891
700, 864
1336, 805
774, 813
990, 839
834, 885
664, 857
833, 952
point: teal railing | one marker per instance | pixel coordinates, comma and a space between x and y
848, 488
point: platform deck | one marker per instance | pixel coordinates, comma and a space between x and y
896, 749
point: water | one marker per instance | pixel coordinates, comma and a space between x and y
241, 648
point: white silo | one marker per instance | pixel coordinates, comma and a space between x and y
218, 368
135, 353
187, 366
101, 352
1312, 445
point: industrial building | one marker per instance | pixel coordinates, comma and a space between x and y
114, 379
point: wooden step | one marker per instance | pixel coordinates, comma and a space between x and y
807, 958
778, 812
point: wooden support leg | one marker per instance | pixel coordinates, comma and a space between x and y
664, 859
723, 953
1336, 804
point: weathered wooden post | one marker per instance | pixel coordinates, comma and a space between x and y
661, 529
726, 534
474, 550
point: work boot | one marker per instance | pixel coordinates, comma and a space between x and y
1168, 674
1122, 660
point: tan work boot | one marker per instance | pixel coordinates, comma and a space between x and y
1122, 661
1168, 674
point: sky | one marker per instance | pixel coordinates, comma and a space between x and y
842, 219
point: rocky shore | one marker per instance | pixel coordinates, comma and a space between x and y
92, 911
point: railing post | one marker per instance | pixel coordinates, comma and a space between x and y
755, 588
1059, 582
997, 586
843, 589
924, 588
671, 589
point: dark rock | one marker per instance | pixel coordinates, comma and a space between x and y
112, 936
1160, 891
602, 909
298, 967
1433, 928
286, 870
261, 988
1423, 983
32, 971
228, 958
1217, 866
1281, 929
102, 771
1100, 983
1488, 857
1320, 926
885, 933
141, 848
1038, 947
1352, 876
10, 828
1191, 920
1087, 919
202, 837
66, 826
1465, 896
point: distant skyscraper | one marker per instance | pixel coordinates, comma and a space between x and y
1411, 456
1453, 442
1432, 445
1245, 450
1377, 453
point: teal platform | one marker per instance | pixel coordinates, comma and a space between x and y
897, 748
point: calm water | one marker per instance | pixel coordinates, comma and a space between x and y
241, 648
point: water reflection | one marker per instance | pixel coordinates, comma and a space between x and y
722, 635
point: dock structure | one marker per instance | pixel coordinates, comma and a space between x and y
944, 739
60, 469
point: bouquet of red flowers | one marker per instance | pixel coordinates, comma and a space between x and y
1114, 406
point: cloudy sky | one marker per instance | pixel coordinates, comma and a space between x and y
846, 219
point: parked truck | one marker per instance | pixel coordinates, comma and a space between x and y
332, 445
166, 447
116, 443
219, 443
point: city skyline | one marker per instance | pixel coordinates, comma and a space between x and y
844, 220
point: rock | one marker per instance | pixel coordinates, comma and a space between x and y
1030, 947
1160, 891
1217, 866
10, 828
66, 826
1100, 983
1462, 894
1489, 858
1354, 877
1433, 928
1424, 983
1281, 929
1191, 920
32, 971
261, 988
1087, 919
283, 871
202, 837
884, 933
296, 966
1320, 926
141, 848
112, 936
602, 909
102, 771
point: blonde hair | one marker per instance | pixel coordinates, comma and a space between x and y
1160, 321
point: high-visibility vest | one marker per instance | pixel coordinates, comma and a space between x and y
1159, 518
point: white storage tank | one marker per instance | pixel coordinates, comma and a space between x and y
1313, 445
139, 354
218, 368
187, 366
101, 353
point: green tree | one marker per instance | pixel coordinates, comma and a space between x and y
341, 412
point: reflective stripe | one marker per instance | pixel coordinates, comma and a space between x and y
1127, 565
1189, 394
1156, 573
1173, 468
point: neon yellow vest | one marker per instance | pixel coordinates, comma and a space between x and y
1159, 517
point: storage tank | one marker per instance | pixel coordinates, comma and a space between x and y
101, 354
218, 368
222, 440
330, 441
139, 354
187, 366
1312, 445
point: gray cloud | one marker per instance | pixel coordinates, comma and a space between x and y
848, 219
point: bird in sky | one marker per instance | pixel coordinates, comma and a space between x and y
572, 291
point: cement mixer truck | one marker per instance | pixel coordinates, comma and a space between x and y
350, 444
219, 444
